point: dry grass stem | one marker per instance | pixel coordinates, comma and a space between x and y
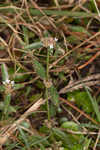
4, 137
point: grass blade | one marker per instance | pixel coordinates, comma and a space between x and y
94, 104
62, 13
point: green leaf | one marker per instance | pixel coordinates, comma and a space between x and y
94, 104
77, 147
19, 76
79, 14
35, 97
63, 119
44, 129
54, 95
37, 140
79, 29
73, 39
24, 138
4, 71
18, 86
2, 88
88, 125
40, 70
34, 45
70, 125
92, 6
25, 124
67, 139
66, 149
82, 100
87, 143
25, 33
7, 100
42, 147
10, 110
52, 110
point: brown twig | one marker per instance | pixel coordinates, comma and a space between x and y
89, 61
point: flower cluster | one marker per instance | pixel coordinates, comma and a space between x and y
49, 42
8, 82
52, 43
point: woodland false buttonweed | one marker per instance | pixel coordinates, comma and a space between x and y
8, 82
49, 42
53, 43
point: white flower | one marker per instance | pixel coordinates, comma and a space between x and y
51, 46
4, 82
7, 82
55, 39
12, 83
